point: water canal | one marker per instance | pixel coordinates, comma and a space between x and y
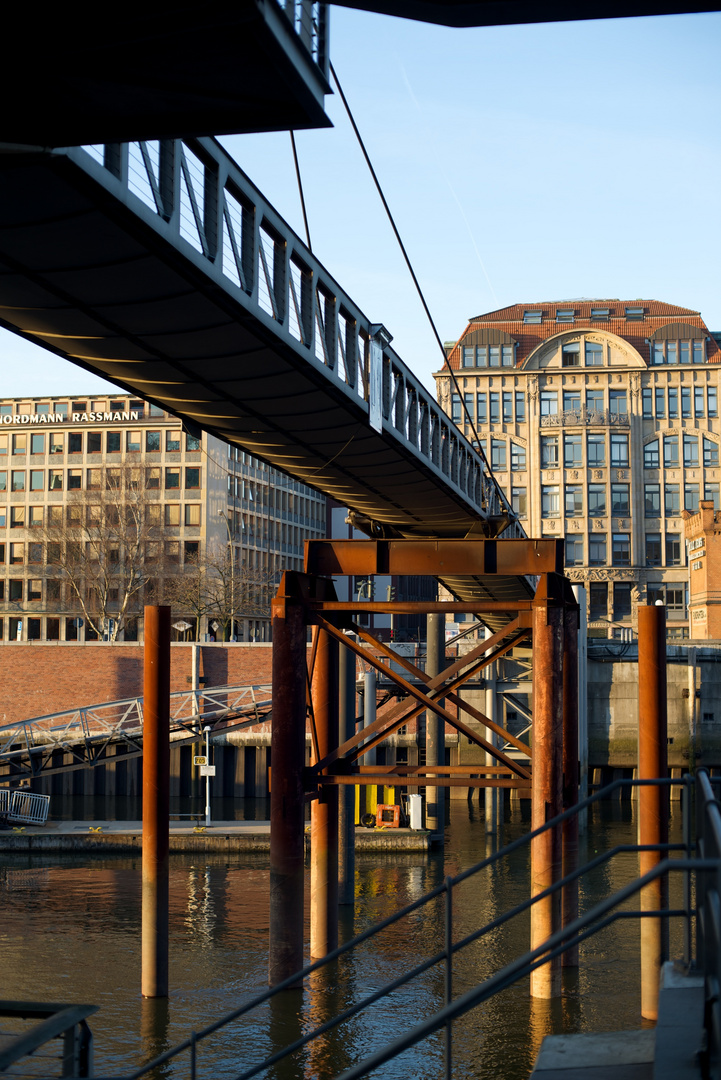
70, 932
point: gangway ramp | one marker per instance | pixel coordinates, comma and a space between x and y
82, 735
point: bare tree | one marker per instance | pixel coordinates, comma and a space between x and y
105, 544
216, 588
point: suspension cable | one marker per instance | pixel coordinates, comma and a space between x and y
300, 191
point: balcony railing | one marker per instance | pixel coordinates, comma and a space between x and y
584, 417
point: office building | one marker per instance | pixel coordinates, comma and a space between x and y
600, 421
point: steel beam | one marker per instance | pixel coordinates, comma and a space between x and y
434, 558
435, 726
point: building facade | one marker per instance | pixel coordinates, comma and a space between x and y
61, 459
600, 421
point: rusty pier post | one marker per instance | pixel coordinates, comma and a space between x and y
324, 809
346, 808
570, 767
546, 858
435, 727
287, 797
156, 802
652, 801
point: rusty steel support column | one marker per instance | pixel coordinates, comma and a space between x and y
324, 809
287, 797
346, 807
548, 634
435, 726
570, 770
156, 801
652, 801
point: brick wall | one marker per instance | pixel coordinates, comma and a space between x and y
44, 677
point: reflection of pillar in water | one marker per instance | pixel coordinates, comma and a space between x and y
154, 1041
285, 1027
330, 993
544, 1018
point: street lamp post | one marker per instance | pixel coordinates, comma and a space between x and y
232, 574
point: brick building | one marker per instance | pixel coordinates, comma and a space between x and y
57, 457
600, 421
703, 540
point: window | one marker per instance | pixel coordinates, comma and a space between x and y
670, 451
653, 549
507, 408
699, 401
593, 354
35, 589
532, 318
152, 514
574, 551
621, 600
647, 402
660, 402
619, 451
686, 402
15, 590
634, 314
55, 480
17, 480
651, 455
172, 442
37, 444
549, 451
594, 401
518, 457
192, 443
620, 504
712, 398
17, 553
549, 403
154, 410
572, 451
699, 356
498, 454
690, 451
621, 549
93, 479
617, 402
75, 479
519, 502
57, 443
652, 500
79, 406
600, 314
3, 445
192, 513
571, 355
37, 480
20, 444
507, 355
152, 478
597, 549
112, 444
481, 409
710, 453
36, 517
571, 400
596, 449
481, 356
171, 550
565, 315
550, 505
75, 442
172, 479
599, 599
95, 442
672, 504
711, 492
455, 410
17, 517
673, 550
673, 403
468, 356
520, 407
574, 500
468, 400
596, 500
3, 480
52, 630
172, 514
691, 498
494, 356
495, 407
192, 478
671, 352
75, 516
55, 516
61, 408
191, 551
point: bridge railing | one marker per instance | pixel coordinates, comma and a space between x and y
192, 193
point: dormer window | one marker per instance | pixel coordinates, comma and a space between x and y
634, 314
600, 314
565, 315
532, 318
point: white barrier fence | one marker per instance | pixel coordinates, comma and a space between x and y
23, 807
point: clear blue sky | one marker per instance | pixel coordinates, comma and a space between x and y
522, 163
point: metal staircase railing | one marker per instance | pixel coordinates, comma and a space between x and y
702, 869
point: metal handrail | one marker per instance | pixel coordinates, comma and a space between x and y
447, 1014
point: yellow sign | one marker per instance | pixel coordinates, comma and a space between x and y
200, 759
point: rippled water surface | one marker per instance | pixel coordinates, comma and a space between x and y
70, 932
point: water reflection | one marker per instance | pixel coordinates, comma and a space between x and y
70, 931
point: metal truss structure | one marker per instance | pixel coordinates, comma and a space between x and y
28, 748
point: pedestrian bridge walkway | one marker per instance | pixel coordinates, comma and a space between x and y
77, 738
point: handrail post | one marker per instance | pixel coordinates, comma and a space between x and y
688, 844
570, 771
652, 798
